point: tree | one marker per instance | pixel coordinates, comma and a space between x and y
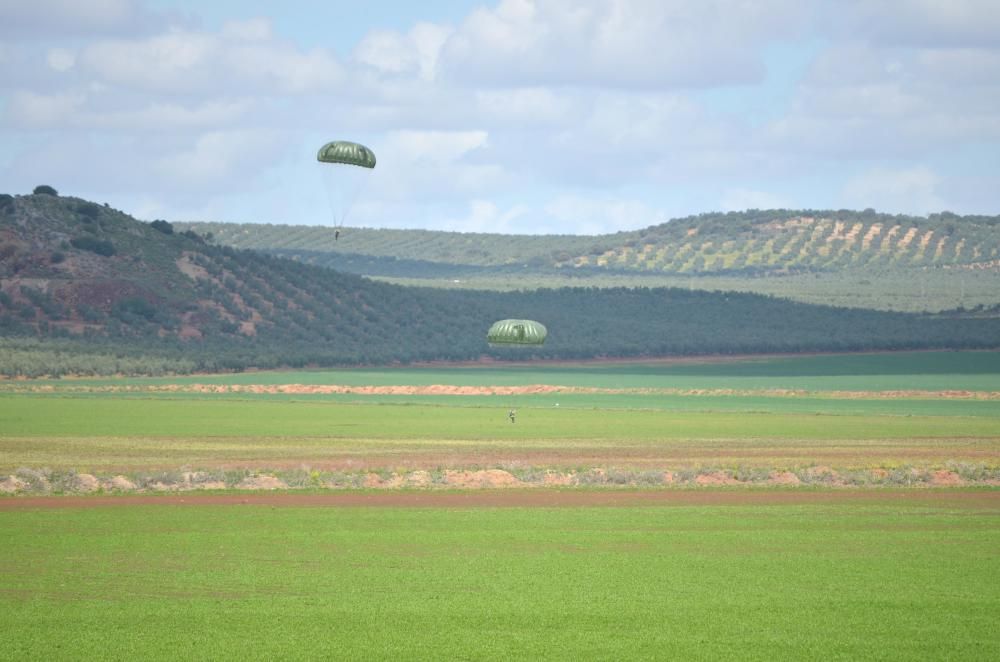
162, 226
99, 246
45, 189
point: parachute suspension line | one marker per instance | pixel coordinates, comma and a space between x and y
343, 185
347, 166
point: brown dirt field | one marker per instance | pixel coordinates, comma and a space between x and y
542, 498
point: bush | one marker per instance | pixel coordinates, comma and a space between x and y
94, 245
193, 236
88, 211
128, 309
162, 226
57, 257
89, 313
6, 202
45, 189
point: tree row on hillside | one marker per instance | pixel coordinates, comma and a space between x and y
166, 298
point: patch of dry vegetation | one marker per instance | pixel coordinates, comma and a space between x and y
27, 481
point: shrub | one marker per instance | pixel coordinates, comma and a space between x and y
37, 479
133, 307
45, 189
88, 210
94, 245
6, 202
193, 236
89, 313
57, 257
162, 226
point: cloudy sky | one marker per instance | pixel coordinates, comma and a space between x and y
527, 116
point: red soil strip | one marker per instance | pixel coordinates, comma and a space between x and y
527, 389
540, 498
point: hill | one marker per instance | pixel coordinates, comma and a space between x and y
86, 288
834, 257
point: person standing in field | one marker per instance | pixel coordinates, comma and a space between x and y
511, 415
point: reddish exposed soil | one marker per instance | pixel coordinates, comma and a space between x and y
526, 389
542, 498
553, 498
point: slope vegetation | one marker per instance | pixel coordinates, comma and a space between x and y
865, 259
86, 288
777, 240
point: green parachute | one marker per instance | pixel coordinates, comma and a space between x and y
347, 153
346, 168
516, 332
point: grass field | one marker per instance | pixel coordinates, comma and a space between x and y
109, 433
669, 569
931, 371
853, 411
879, 577
782, 412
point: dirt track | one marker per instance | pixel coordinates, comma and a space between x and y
985, 499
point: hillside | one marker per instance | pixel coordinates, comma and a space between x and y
744, 242
85, 288
866, 259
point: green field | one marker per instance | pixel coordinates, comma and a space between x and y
977, 371
882, 577
780, 412
108, 433
619, 564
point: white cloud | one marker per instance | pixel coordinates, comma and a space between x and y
486, 216
616, 42
905, 190
220, 158
519, 100
241, 59
61, 59
740, 199
578, 214
29, 19
524, 106
83, 110
918, 22
862, 100
431, 167
30, 109
433, 146
254, 29
168, 117
414, 53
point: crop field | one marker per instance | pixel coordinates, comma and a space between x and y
834, 507
764, 574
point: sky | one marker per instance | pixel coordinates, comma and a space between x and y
513, 116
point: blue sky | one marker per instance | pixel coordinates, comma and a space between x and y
525, 116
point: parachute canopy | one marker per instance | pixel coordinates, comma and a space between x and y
348, 153
516, 332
